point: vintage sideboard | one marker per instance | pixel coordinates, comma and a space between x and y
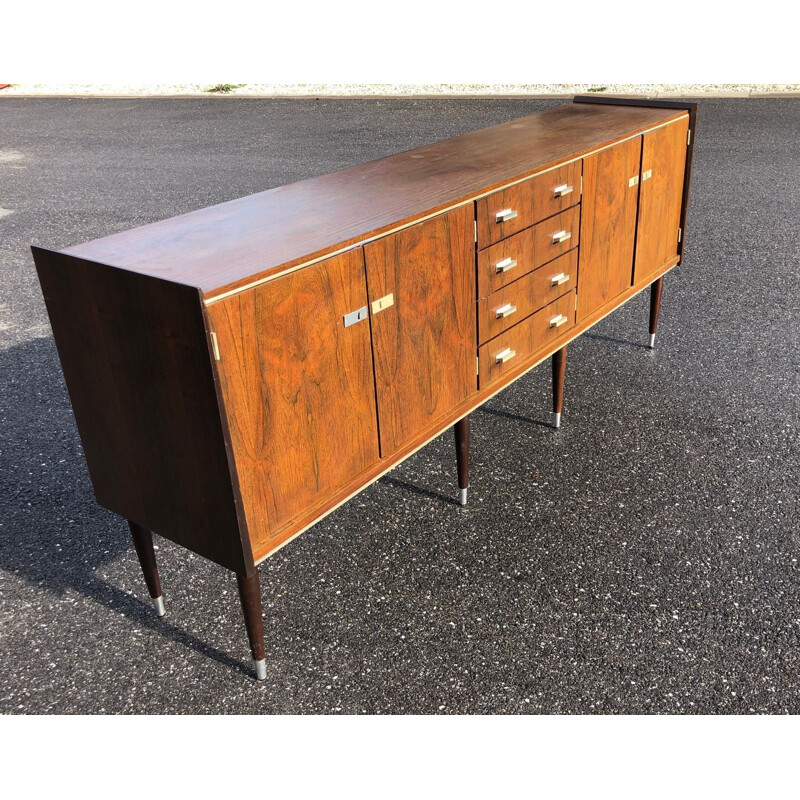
240, 371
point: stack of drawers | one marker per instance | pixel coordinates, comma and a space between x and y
528, 236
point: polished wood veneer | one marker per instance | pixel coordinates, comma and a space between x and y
428, 270
611, 190
515, 301
300, 407
528, 250
663, 156
531, 201
530, 336
234, 244
240, 371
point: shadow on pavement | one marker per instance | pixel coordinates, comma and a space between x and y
52, 532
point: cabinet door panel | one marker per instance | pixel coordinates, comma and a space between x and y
424, 343
298, 389
608, 224
660, 196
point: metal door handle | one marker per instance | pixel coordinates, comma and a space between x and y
355, 316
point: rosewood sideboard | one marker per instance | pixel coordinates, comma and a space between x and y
240, 371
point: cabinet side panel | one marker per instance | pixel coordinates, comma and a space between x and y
299, 390
135, 357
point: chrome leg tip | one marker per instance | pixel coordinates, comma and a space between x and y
261, 669
652, 343
462, 496
556, 419
158, 603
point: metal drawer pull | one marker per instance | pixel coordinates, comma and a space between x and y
505, 355
647, 175
505, 311
558, 321
505, 215
561, 236
557, 280
560, 191
505, 265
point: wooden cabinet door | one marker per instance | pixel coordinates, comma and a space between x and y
422, 293
608, 224
660, 197
298, 389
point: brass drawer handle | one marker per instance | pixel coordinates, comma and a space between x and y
505, 355
562, 190
561, 236
505, 215
506, 311
558, 321
557, 280
505, 265
382, 303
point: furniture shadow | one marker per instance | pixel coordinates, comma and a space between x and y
516, 417
53, 533
410, 487
613, 340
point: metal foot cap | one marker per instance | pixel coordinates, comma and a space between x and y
261, 669
652, 343
557, 419
462, 496
158, 603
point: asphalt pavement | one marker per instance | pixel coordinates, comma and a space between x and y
642, 559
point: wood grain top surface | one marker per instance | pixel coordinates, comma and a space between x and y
230, 245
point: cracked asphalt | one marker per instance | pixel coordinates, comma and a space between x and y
642, 559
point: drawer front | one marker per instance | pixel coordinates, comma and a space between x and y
506, 307
517, 344
510, 210
512, 258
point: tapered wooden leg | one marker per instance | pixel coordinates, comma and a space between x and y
655, 307
461, 430
250, 595
143, 542
559, 370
